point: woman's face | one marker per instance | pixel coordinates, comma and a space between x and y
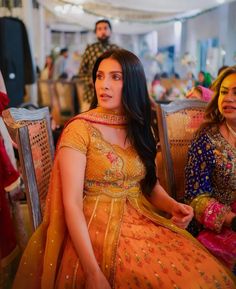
201, 77
109, 85
227, 97
48, 59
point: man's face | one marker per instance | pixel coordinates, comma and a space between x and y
65, 54
103, 31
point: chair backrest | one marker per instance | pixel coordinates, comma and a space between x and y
83, 104
65, 92
46, 92
31, 131
177, 123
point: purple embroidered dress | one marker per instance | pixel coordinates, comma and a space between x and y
210, 188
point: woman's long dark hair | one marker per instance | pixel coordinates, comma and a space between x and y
213, 117
137, 108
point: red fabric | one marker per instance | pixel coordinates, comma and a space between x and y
4, 100
222, 245
8, 175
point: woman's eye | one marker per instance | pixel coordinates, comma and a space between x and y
117, 77
223, 92
99, 76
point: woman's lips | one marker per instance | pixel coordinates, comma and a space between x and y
104, 95
228, 108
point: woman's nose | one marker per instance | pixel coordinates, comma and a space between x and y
105, 83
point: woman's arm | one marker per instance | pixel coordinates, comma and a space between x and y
72, 165
181, 214
199, 168
199, 191
161, 200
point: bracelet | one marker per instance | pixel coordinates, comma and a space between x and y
233, 224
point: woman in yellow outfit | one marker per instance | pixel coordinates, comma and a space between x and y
96, 231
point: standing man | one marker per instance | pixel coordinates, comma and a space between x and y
60, 66
92, 52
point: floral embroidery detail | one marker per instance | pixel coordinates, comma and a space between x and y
214, 215
112, 157
211, 168
229, 166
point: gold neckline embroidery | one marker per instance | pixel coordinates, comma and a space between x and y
114, 146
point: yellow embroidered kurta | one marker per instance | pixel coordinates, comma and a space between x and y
134, 247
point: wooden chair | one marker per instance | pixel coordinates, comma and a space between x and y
83, 105
46, 93
65, 95
177, 123
31, 131
48, 97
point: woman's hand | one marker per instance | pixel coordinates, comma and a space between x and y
228, 219
181, 215
97, 280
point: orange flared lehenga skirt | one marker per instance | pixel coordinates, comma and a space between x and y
147, 256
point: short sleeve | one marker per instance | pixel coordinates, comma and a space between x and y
76, 136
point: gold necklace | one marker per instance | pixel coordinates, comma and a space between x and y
231, 130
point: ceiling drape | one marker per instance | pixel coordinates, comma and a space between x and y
128, 16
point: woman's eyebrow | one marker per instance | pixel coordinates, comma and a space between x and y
113, 71
224, 87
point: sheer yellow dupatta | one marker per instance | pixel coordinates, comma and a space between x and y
41, 258
39, 262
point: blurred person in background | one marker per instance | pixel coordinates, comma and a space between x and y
204, 79
103, 32
200, 92
157, 90
60, 65
190, 80
47, 71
